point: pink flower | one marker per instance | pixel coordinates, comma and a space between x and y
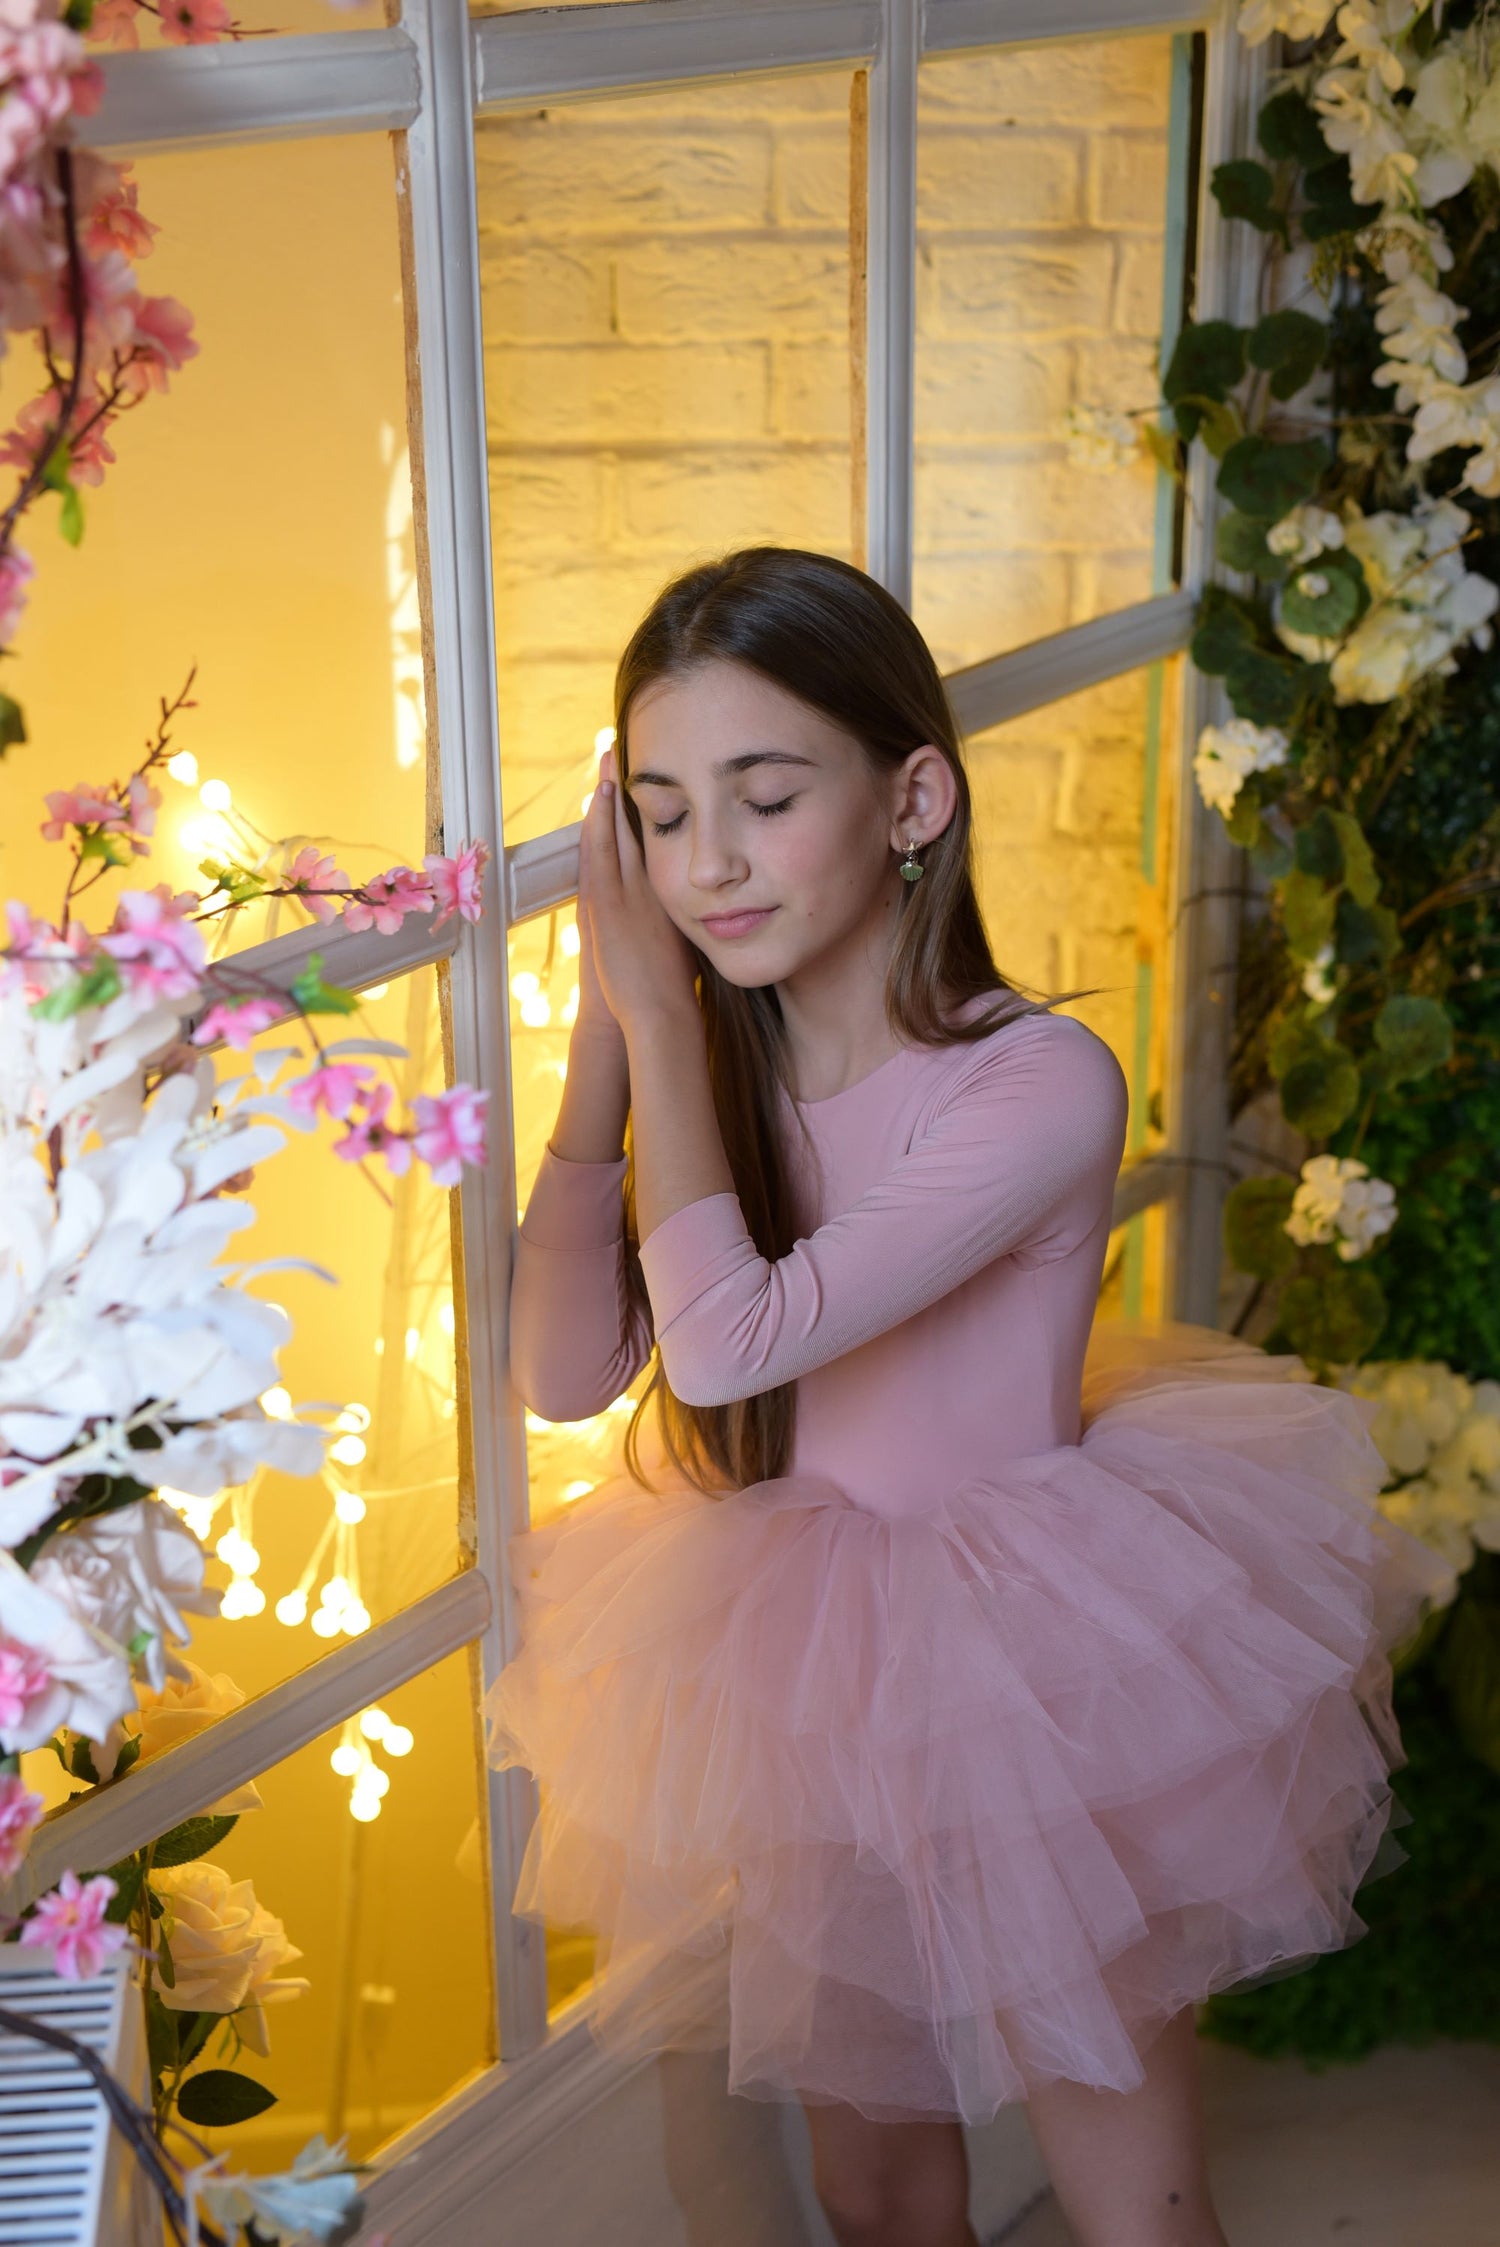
81, 806
158, 947
385, 902
20, 1815
336, 1085
368, 1134
16, 572
458, 883
24, 1678
451, 1131
107, 196
70, 1922
309, 874
110, 302
238, 1020
36, 427
113, 23
194, 23
163, 338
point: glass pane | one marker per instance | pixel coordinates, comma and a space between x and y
1072, 813
1050, 240
666, 317
383, 1896
257, 525
304, 1563
267, 18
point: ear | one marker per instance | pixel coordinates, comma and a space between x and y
926, 797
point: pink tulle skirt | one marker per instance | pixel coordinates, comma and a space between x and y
921, 1814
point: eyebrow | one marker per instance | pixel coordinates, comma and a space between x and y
722, 771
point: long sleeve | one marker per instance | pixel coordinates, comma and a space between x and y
577, 1340
1021, 1155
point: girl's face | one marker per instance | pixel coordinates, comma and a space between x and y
770, 838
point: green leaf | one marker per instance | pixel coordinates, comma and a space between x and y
1319, 1093
1220, 427
1307, 911
1289, 132
127, 1876
1319, 849
70, 518
193, 2032
1331, 208
161, 2034
1414, 1035
1240, 541
1207, 361
1270, 856
220, 2096
1295, 1038
1267, 689
1333, 1317
1255, 1215
1225, 628
97, 985
1245, 190
78, 14
58, 469
193, 1838
1365, 936
314, 996
12, 723
1360, 877
1321, 602
1290, 345
165, 1964
1268, 480
1468, 1669
1242, 822
1164, 448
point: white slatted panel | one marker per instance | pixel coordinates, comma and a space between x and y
63, 2181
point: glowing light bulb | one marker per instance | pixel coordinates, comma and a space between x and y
354, 1419
349, 1506
215, 795
354, 1618
575, 1490
378, 1782
278, 1403
346, 1759
397, 1740
237, 1553
374, 1723
349, 1451
364, 1807
379, 1345
413, 1342
252, 1598
604, 739
291, 1608
536, 1013
337, 1593
326, 1623
572, 942
375, 991
525, 985
184, 767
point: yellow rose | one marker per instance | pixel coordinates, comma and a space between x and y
184, 1707
226, 1949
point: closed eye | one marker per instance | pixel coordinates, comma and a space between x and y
764, 811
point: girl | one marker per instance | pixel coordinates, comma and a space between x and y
927, 1719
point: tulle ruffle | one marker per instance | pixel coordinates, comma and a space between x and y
919, 1814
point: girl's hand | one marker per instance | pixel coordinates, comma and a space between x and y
643, 963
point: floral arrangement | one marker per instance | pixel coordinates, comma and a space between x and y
1440, 1436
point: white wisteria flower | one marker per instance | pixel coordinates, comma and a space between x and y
1305, 533
227, 1949
1359, 120
1418, 323
1226, 755
1099, 438
311, 2201
1319, 977
1299, 19
1338, 1201
1440, 1437
1424, 604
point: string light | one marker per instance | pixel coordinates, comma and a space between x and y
184, 767
349, 1506
215, 795
349, 1451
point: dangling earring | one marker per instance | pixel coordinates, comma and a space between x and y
910, 870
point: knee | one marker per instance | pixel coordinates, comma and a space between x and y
888, 2212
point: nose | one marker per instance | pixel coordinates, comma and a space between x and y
714, 860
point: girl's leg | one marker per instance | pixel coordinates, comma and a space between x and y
1128, 2167
890, 2184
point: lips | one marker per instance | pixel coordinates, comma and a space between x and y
736, 924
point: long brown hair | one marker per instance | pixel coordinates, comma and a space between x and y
827, 633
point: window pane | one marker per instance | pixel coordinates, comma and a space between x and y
666, 318
1050, 180
257, 525
1072, 812
270, 18
384, 1897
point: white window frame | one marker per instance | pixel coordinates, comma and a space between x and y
429, 78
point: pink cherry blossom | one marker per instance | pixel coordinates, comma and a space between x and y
237, 1021
24, 1677
80, 806
110, 300
458, 883
107, 197
369, 1134
162, 339
385, 902
159, 949
451, 1131
70, 1922
35, 430
20, 1815
114, 23
16, 572
194, 23
335, 1085
309, 874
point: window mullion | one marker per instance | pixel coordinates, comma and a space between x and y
890, 356
453, 482
262, 89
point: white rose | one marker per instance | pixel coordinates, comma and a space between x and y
129, 1571
91, 1683
226, 1949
